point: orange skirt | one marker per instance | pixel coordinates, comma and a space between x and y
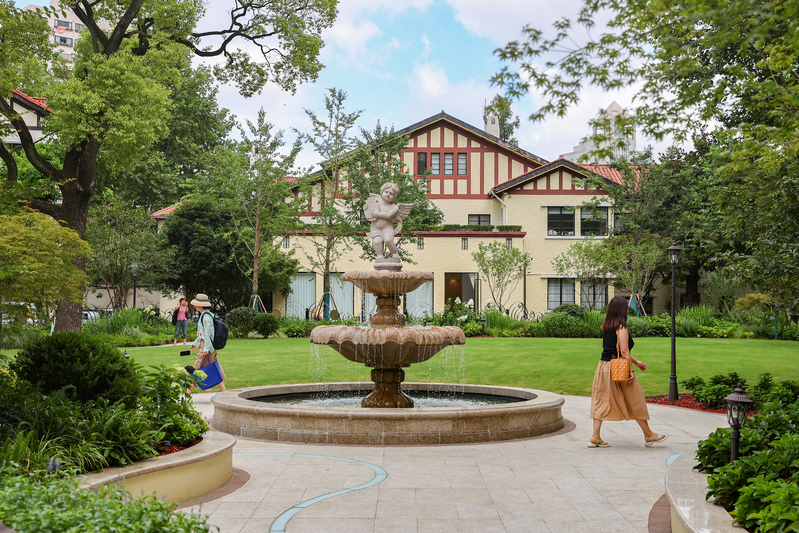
616, 401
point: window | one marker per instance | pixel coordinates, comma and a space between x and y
448, 165
618, 222
79, 27
509, 242
559, 291
285, 242
67, 57
66, 41
420, 244
560, 221
481, 220
63, 24
594, 221
435, 163
461, 164
421, 163
464, 243
593, 295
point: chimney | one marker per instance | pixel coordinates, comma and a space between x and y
492, 125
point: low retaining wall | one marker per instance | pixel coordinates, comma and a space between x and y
690, 511
176, 477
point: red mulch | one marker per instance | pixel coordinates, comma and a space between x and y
684, 400
165, 448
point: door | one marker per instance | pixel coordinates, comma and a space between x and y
302, 296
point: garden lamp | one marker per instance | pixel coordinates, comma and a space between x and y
738, 404
674, 258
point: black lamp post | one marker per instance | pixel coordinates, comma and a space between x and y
674, 258
738, 404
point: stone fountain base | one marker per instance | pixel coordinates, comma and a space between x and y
537, 413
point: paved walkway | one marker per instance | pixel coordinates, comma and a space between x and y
547, 484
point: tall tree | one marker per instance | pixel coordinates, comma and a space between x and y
585, 261
500, 107
201, 235
267, 200
331, 229
502, 268
126, 248
116, 101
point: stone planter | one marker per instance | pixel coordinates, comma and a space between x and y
690, 511
176, 477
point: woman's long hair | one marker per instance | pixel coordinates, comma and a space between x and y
616, 316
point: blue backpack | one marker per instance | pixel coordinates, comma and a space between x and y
220, 331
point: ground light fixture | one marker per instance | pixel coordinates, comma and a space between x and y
674, 258
738, 404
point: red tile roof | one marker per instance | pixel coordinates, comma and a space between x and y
605, 171
38, 102
165, 212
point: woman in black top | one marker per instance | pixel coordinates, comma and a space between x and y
613, 400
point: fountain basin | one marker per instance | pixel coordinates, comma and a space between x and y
536, 413
386, 282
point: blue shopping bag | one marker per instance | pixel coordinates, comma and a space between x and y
213, 375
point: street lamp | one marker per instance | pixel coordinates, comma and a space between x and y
738, 404
674, 258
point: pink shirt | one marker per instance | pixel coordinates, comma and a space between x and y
181, 313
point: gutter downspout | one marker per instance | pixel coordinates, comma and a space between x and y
505, 212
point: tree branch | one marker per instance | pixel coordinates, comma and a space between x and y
26, 140
11, 163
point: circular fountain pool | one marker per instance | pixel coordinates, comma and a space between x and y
525, 413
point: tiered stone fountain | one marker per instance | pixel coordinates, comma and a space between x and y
387, 346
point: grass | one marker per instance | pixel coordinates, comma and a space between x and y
564, 366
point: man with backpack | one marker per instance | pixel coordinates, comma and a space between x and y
205, 342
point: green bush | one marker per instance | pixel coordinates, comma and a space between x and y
266, 324
170, 411
55, 504
472, 329
94, 369
686, 326
557, 324
239, 320
703, 315
297, 327
577, 311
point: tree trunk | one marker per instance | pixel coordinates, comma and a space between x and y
692, 296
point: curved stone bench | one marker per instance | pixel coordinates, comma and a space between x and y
176, 477
690, 511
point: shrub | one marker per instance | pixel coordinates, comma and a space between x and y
297, 327
686, 326
556, 324
93, 368
52, 504
265, 324
240, 320
703, 315
171, 412
500, 324
15, 336
577, 311
472, 329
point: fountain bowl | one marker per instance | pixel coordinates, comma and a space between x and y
536, 413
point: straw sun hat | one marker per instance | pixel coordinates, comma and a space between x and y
201, 300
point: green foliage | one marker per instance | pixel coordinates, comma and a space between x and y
266, 324
240, 320
701, 314
713, 392
297, 327
54, 504
562, 325
575, 310
502, 268
36, 263
472, 329
91, 367
500, 107
170, 411
455, 313
17, 335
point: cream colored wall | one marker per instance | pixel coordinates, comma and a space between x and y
458, 211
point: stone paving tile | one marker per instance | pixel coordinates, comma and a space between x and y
543, 485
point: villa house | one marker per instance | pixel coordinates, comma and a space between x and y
31, 110
476, 179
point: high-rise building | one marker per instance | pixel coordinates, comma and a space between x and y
624, 151
65, 27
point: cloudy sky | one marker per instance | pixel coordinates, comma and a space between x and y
403, 61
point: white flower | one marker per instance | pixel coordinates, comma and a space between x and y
457, 300
470, 303
462, 318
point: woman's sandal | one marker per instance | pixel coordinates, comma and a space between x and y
597, 443
649, 441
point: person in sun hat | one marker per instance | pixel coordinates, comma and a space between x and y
205, 336
612, 400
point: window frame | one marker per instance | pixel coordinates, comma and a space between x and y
550, 301
463, 169
597, 227
421, 163
588, 291
480, 219
464, 243
449, 164
561, 230
63, 41
435, 163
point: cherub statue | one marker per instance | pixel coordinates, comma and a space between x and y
382, 212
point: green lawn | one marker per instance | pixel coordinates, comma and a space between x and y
563, 366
